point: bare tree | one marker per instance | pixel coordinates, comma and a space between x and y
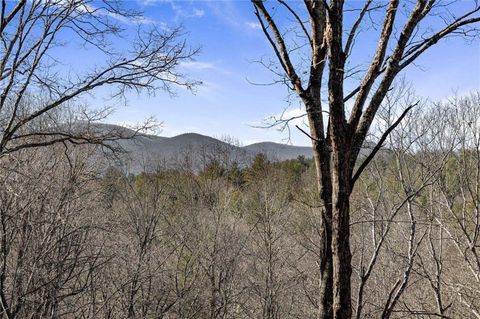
48, 252
33, 83
337, 144
455, 202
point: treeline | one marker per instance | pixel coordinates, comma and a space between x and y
232, 241
238, 174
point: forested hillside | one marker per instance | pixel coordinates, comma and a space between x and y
116, 201
232, 242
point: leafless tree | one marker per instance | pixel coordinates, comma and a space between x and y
455, 202
48, 251
34, 83
337, 144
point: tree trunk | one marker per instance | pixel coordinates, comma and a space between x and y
335, 265
342, 257
326, 270
325, 303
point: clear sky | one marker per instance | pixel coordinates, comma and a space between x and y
227, 104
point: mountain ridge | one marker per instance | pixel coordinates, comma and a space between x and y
148, 152
145, 152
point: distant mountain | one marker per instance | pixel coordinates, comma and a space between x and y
280, 152
145, 152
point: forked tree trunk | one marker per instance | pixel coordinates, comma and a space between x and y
334, 178
337, 146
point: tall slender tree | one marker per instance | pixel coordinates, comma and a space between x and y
337, 141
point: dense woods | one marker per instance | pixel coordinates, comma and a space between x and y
382, 222
233, 241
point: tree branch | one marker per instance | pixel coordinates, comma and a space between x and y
281, 51
377, 147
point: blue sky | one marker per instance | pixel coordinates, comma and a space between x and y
227, 104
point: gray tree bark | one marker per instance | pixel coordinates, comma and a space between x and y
336, 149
